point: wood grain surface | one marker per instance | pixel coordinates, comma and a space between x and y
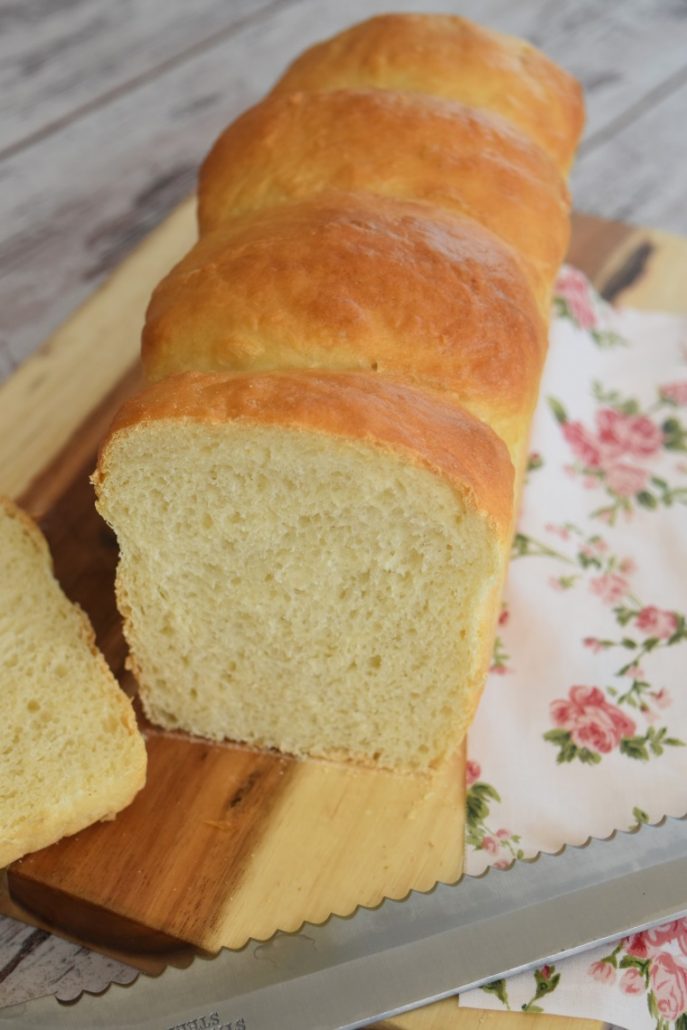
447, 1015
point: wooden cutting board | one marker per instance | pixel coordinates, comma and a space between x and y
224, 843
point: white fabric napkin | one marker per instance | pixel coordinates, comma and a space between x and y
583, 724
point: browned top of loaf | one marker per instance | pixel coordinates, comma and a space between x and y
450, 57
355, 282
399, 145
356, 406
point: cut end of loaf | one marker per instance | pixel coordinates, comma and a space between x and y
322, 595
70, 751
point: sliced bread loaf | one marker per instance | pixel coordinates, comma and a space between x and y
310, 560
70, 752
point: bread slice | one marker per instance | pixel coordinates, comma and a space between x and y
309, 561
70, 752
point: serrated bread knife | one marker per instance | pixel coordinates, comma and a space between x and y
350, 972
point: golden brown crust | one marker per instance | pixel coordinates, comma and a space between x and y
400, 145
451, 57
357, 406
357, 283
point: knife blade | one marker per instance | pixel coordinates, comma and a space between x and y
377, 963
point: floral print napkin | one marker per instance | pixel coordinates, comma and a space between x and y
583, 725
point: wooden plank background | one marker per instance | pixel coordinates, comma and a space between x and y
107, 108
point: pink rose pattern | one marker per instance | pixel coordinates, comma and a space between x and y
575, 300
626, 480
674, 393
603, 972
657, 623
610, 587
660, 935
500, 657
652, 962
572, 290
472, 773
618, 454
592, 721
502, 847
631, 982
500, 844
592, 724
669, 986
621, 433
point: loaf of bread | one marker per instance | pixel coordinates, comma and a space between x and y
448, 56
70, 752
314, 501
394, 144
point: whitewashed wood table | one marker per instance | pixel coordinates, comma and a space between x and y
107, 108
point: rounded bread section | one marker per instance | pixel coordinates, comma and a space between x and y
438, 436
450, 57
397, 145
354, 283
